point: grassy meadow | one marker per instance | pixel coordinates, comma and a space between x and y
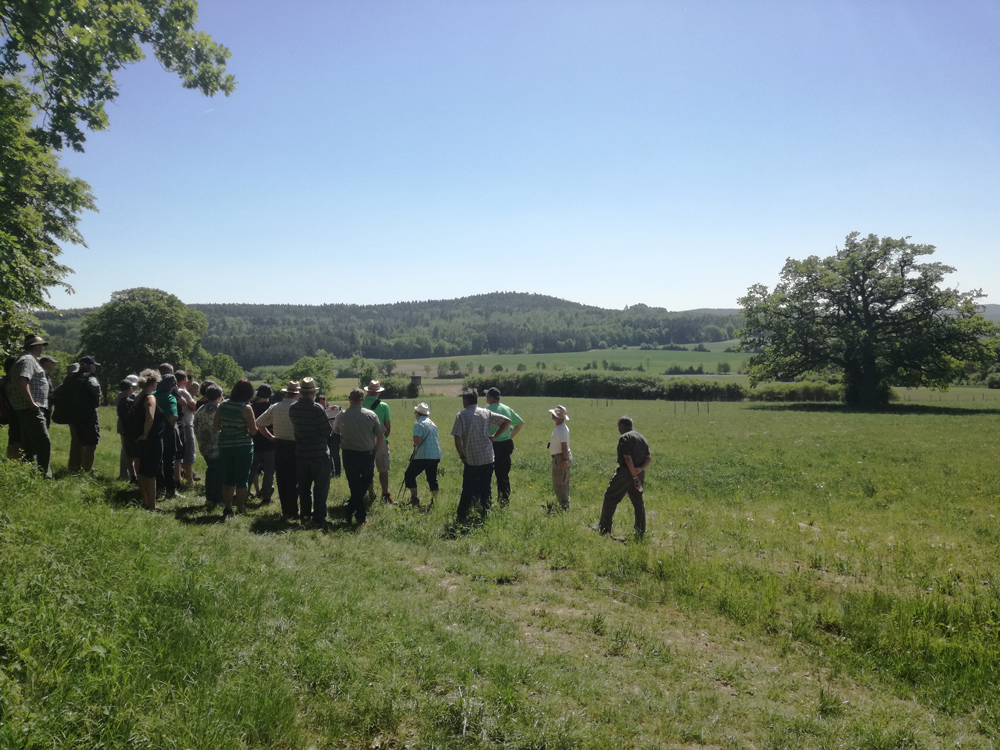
815, 577
655, 360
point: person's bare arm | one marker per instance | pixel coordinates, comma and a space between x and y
25, 391
501, 429
564, 447
515, 430
460, 447
249, 418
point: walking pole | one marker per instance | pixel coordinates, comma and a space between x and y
403, 483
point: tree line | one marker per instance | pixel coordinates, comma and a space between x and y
499, 323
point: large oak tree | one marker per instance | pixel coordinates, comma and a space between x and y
872, 311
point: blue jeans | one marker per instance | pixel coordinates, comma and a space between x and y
314, 485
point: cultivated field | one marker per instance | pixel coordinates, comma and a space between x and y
815, 577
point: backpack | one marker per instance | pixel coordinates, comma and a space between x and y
135, 420
65, 401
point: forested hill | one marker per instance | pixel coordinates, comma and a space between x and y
501, 322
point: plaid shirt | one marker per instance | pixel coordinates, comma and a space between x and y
276, 417
473, 425
27, 367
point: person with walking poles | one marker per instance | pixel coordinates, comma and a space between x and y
360, 439
503, 446
28, 391
426, 454
312, 453
629, 478
562, 457
374, 402
474, 444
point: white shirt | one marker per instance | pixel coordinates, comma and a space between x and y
559, 436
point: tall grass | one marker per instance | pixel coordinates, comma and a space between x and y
814, 577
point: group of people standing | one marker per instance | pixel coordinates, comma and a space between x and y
292, 438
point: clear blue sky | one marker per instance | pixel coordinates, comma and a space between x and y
604, 152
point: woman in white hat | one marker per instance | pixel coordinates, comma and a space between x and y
426, 454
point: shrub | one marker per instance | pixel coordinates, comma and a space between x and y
599, 384
993, 380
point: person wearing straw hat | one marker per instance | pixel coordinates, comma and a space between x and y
426, 454
29, 395
373, 402
312, 453
562, 457
629, 478
276, 418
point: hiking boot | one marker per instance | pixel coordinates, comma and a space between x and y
387, 499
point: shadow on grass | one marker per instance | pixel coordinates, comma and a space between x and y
897, 409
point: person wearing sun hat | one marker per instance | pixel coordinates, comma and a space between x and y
562, 457
28, 391
426, 454
312, 453
374, 402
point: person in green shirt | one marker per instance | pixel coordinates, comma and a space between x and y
503, 445
381, 409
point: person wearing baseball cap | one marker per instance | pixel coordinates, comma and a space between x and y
503, 446
84, 394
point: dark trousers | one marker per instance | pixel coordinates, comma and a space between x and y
35, 442
166, 476
334, 443
284, 473
501, 467
263, 464
359, 468
621, 485
418, 466
314, 485
477, 490
213, 481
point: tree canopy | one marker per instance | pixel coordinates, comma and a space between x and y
871, 311
40, 205
69, 52
141, 328
58, 60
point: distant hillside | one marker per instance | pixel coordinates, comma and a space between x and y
501, 322
992, 312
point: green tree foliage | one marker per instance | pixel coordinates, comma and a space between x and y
872, 311
141, 328
320, 369
39, 208
70, 51
223, 369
